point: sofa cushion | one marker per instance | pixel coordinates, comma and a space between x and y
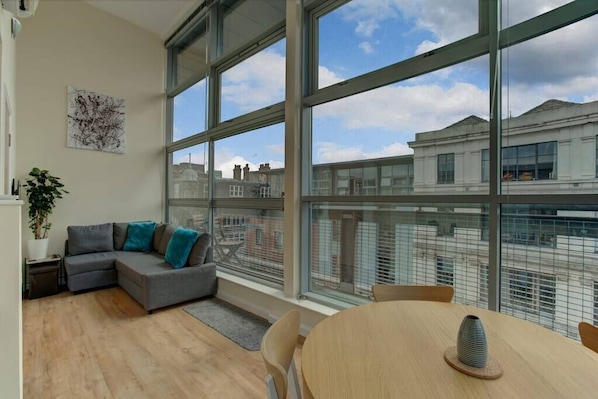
140, 236
158, 233
179, 246
89, 262
90, 239
135, 267
120, 234
197, 256
165, 239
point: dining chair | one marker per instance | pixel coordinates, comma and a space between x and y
278, 347
589, 335
390, 292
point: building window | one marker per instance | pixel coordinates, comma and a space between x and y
485, 165
595, 303
278, 240
265, 192
446, 169
259, 237
596, 156
525, 162
529, 162
236, 191
530, 292
321, 182
445, 271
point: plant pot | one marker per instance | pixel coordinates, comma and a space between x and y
37, 249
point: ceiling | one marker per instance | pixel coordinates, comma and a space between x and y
161, 17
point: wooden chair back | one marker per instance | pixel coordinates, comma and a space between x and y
278, 348
589, 335
386, 292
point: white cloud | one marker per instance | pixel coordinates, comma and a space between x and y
366, 47
225, 161
405, 109
276, 164
228, 166
533, 71
428, 45
327, 152
326, 77
276, 148
366, 28
447, 21
256, 82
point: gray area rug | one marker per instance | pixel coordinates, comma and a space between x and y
240, 326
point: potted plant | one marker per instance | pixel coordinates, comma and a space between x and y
43, 190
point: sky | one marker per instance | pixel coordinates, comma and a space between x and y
365, 35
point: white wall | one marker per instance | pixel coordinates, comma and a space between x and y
69, 43
11, 324
11, 380
7, 100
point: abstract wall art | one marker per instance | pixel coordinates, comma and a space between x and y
95, 121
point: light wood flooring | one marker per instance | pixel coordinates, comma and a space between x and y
102, 344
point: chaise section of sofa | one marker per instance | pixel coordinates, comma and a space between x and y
155, 284
94, 258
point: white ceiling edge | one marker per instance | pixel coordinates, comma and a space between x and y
161, 17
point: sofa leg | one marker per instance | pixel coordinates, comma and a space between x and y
150, 312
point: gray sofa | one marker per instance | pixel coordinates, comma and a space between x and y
96, 256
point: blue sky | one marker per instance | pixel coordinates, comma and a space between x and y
365, 35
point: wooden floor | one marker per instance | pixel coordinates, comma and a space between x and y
102, 344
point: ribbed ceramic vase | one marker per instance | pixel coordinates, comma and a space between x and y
472, 348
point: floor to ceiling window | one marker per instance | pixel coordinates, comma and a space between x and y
433, 109
226, 155
449, 144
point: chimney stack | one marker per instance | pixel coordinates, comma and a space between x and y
246, 172
264, 167
237, 172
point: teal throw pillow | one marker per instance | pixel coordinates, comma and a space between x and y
179, 247
140, 236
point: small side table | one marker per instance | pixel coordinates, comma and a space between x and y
42, 276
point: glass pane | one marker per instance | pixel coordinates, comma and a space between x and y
190, 56
445, 112
363, 36
254, 83
189, 115
245, 20
251, 164
548, 256
188, 174
189, 217
356, 245
249, 241
549, 96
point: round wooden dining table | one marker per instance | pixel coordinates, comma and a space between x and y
396, 350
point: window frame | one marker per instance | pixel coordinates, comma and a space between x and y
445, 168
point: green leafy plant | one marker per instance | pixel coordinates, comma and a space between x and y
43, 190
